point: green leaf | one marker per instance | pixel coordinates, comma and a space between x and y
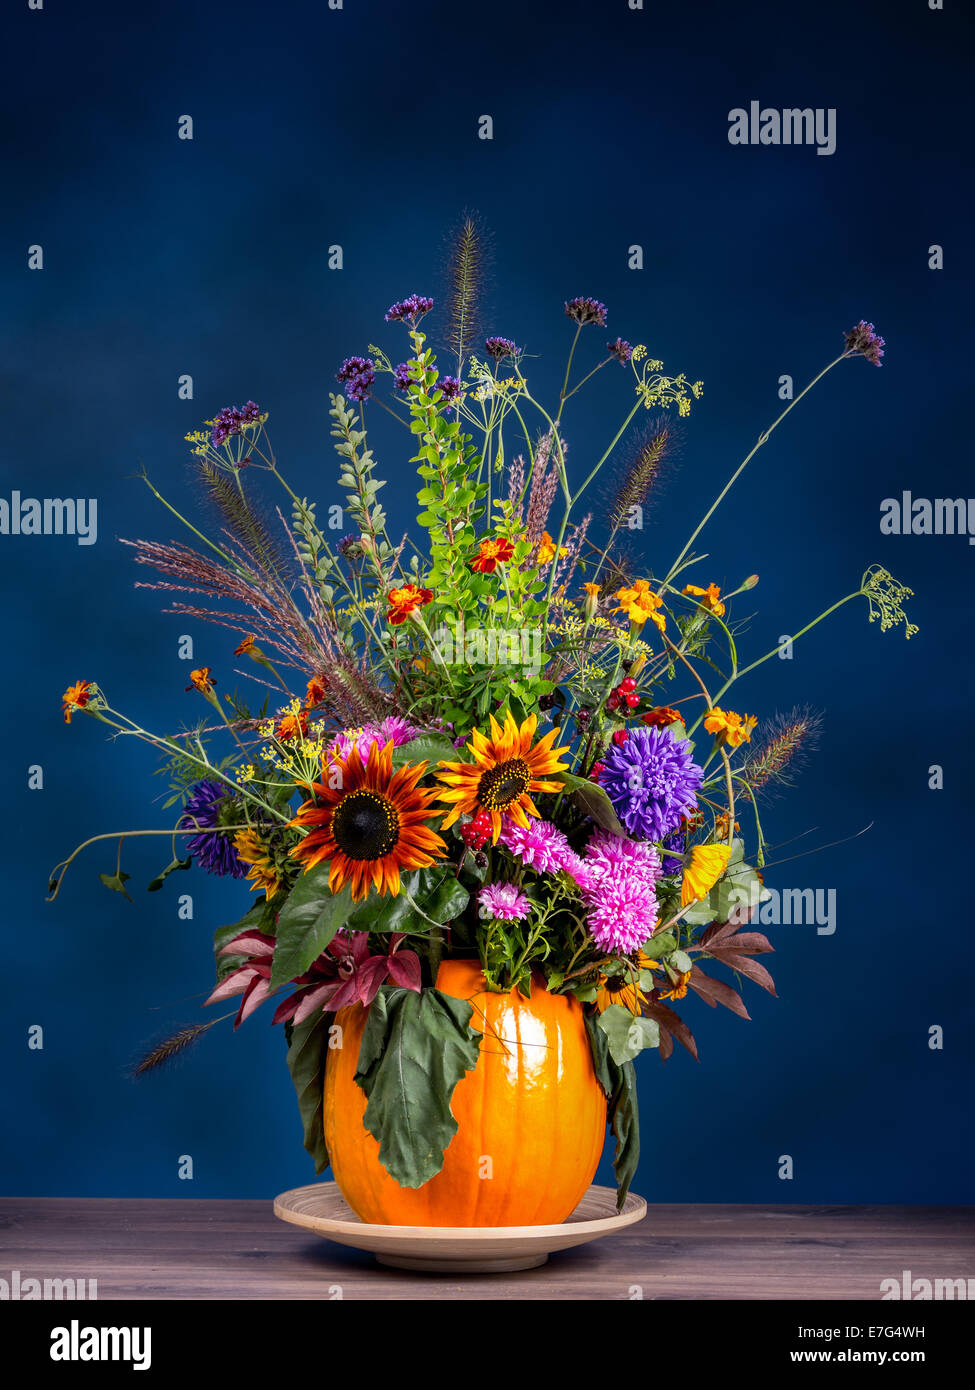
158, 882
117, 882
659, 945
409, 1064
308, 921
431, 747
679, 961
626, 1034
625, 1119
307, 1050
427, 897
592, 799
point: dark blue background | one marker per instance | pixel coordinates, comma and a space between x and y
209, 257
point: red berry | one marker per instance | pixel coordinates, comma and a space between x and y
632, 700
612, 701
627, 685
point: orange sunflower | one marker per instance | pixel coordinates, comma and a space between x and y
505, 771
371, 825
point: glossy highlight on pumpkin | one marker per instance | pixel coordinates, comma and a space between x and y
531, 1114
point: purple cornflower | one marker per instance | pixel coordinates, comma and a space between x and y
619, 892
651, 780
583, 311
864, 340
505, 902
450, 387
210, 807
357, 374
409, 310
501, 347
621, 350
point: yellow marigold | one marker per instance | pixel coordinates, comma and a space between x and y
640, 603
710, 598
706, 865
546, 549
678, 987
202, 680
730, 728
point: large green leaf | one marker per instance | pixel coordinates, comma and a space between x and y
414, 1050
307, 922
307, 1050
427, 897
592, 799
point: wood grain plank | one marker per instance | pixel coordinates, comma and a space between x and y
147, 1249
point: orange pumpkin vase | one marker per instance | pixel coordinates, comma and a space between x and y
531, 1117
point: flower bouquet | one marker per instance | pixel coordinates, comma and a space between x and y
489, 798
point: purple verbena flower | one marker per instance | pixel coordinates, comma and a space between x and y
864, 340
651, 780
357, 374
401, 375
505, 902
210, 807
450, 387
501, 347
621, 350
409, 310
584, 310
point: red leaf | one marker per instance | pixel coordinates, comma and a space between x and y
749, 943
714, 991
404, 969
751, 968
666, 1017
717, 932
666, 1042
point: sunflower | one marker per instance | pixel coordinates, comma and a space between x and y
264, 874
371, 825
625, 989
506, 769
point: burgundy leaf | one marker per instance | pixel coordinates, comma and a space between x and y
716, 932
749, 943
369, 976
404, 969
715, 992
250, 943
666, 1017
666, 1046
745, 966
254, 995
232, 984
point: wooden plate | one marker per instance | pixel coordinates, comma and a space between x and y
320, 1207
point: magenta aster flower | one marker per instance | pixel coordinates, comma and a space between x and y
357, 374
392, 727
584, 310
541, 845
409, 310
505, 902
865, 341
620, 891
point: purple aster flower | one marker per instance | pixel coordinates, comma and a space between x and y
651, 780
621, 350
209, 808
619, 893
501, 347
865, 341
409, 310
583, 311
450, 387
674, 842
505, 902
357, 374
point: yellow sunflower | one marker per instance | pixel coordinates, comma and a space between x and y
625, 989
371, 825
505, 771
707, 864
265, 877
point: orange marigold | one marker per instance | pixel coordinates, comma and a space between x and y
492, 553
75, 697
404, 602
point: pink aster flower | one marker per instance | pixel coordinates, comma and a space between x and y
541, 845
619, 891
391, 728
503, 901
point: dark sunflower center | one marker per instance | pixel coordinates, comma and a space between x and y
616, 984
365, 825
504, 784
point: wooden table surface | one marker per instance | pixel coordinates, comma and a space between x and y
236, 1249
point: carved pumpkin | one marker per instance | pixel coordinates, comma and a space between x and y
531, 1117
